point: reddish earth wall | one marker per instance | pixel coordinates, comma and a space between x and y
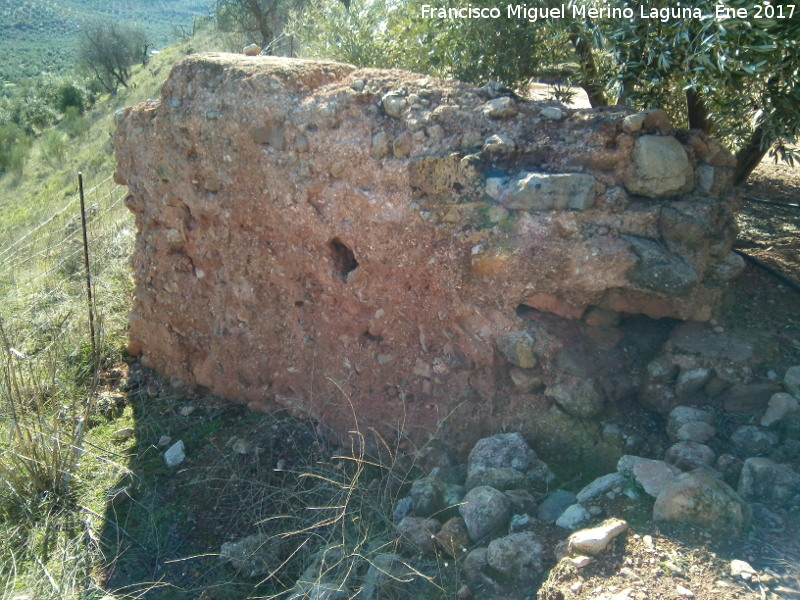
420, 256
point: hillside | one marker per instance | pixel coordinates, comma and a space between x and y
39, 35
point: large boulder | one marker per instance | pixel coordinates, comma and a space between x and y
312, 235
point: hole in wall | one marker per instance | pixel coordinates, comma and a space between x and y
344, 261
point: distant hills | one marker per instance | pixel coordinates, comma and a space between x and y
39, 35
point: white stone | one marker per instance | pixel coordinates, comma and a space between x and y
791, 381
574, 517
595, 540
780, 405
660, 167
175, 455
551, 113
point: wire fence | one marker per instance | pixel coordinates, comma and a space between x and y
42, 274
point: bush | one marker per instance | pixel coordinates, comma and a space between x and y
53, 147
73, 124
15, 145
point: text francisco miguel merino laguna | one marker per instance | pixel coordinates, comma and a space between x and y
580, 11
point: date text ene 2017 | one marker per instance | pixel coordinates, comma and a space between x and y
757, 11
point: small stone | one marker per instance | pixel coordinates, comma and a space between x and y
187, 410
519, 556
525, 380
381, 145
120, 435
791, 381
691, 381
554, 505
485, 510
753, 441
518, 347
251, 50
600, 486
581, 562
580, 397
394, 104
740, 568
551, 113
660, 167
500, 108
403, 508
633, 123
453, 537
242, 446
696, 432
685, 592
403, 144
700, 498
780, 405
164, 440
574, 517
764, 479
681, 415
595, 540
175, 455
426, 494
416, 534
690, 455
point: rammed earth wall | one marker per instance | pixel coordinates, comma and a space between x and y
381, 249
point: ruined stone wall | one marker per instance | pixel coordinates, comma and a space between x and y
381, 249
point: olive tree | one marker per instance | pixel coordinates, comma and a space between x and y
110, 50
738, 77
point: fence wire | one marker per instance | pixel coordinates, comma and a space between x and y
42, 277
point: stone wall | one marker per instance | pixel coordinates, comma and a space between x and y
380, 249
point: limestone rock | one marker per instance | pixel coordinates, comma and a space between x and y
574, 517
416, 534
660, 167
595, 540
764, 479
695, 432
505, 461
791, 381
175, 454
518, 556
652, 475
548, 191
554, 505
690, 455
255, 556
427, 496
701, 498
388, 577
500, 108
579, 396
453, 537
600, 486
658, 269
754, 441
779, 406
691, 381
485, 510
518, 348
681, 415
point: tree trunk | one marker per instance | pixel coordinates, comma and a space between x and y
590, 78
697, 111
748, 157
